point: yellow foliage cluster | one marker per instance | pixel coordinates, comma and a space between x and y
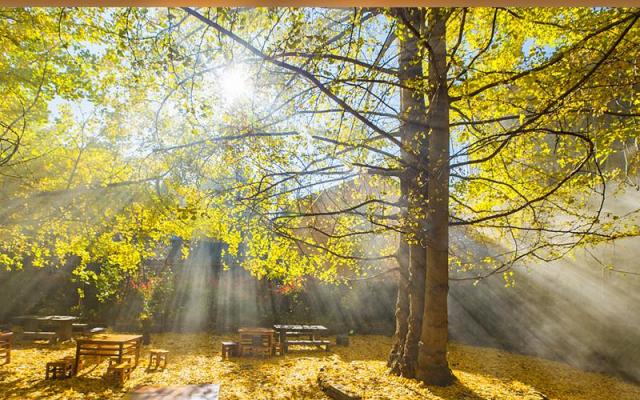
360, 368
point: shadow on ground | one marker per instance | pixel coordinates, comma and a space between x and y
360, 368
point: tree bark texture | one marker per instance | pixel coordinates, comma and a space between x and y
402, 306
413, 182
433, 367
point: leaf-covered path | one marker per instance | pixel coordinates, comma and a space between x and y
195, 358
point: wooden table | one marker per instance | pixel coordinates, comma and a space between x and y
311, 330
260, 339
63, 324
108, 346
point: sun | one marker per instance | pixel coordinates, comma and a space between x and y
235, 84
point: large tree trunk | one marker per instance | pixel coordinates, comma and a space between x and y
433, 367
402, 306
409, 360
413, 112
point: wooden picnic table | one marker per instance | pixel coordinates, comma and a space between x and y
108, 346
311, 330
63, 324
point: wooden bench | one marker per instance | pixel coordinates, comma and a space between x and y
251, 350
230, 349
52, 337
318, 343
298, 333
60, 369
301, 335
5, 346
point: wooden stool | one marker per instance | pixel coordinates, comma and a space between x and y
118, 372
114, 361
229, 349
157, 357
72, 360
60, 369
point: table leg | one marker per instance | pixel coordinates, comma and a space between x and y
283, 341
64, 330
77, 361
31, 325
138, 345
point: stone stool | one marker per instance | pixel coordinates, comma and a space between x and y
157, 357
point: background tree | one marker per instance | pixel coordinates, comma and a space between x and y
517, 84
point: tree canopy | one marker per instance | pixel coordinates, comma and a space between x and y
304, 138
